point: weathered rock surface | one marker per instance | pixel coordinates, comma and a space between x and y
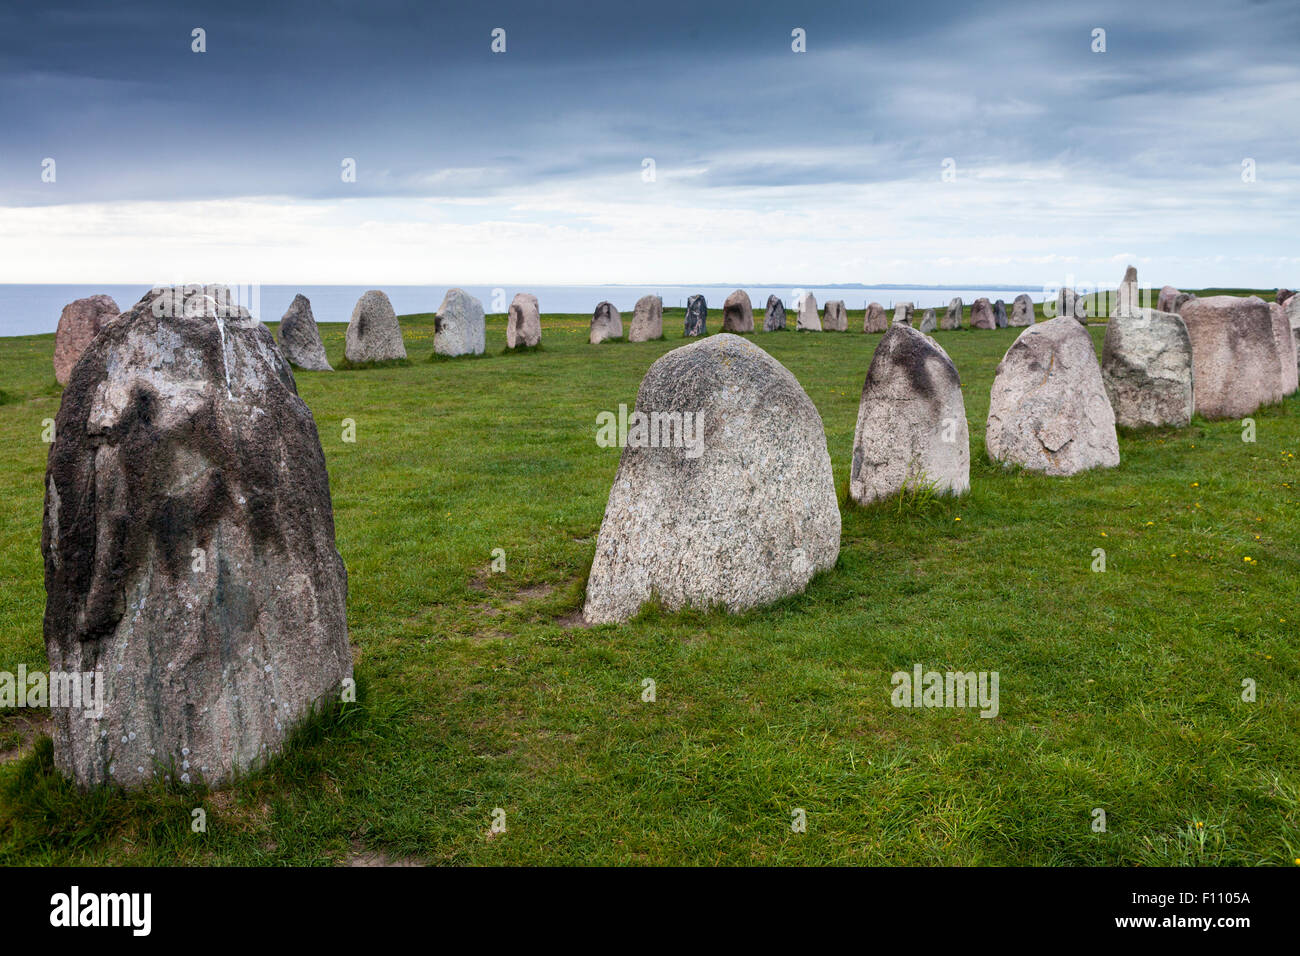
606, 323
300, 339
189, 548
952, 318
1000, 314
524, 322
876, 319
1282, 296
1048, 410
1022, 311
1181, 299
1069, 303
981, 314
697, 317
1146, 365
1292, 308
373, 333
647, 319
1286, 350
911, 421
78, 324
743, 516
903, 312
835, 317
928, 321
460, 327
1165, 300
1126, 297
738, 313
809, 320
1234, 354
774, 318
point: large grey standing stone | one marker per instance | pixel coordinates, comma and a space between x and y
1072, 305
952, 318
1292, 308
738, 313
189, 548
911, 421
606, 323
1048, 410
741, 513
647, 319
1022, 312
928, 321
524, 322
835, 317
774, 317
981, 314
1000, 314
1285, 349
903, 312
876, 319
697, 317
300, 339
79, 322
373, 333
460, 328
1235, 357
1146, 365
809, 320
1126, 298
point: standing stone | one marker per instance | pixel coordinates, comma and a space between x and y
1285, 349
774, 319
952, 318
697, 317
606, 323
189, 548
1022, 311
1000, 314
1069, 303
876, 319
738, 313
1126, 299
981, 314
78, 324
460, 327
808, 317
300, 339
928, 321
1292, 308
1146, 365
373, 333
1180, 300
1165, 300
724, 494
1235, 357
524, 322
647, 319
1282, 296
903, 313
835, 317
1048, 410
911, 421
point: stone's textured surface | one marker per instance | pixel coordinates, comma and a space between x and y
647, 319
746, 521
300, 339
1292, 308
1234, 355
1282, 296
1181, 299
835, 317
1000, 314
1286, 350
1022, 311
738, 313
1048, 410
911, 421
1126, 298
460, 327
373, 333
524, 322
774, 318
806, 308
903, 312
1070, 304
697, 317
606, 323
981, 315
952, 318
1165, 300
876, 319
1146, 365
189, 549
80, 322
928, 321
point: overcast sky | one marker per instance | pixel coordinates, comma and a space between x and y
770, 166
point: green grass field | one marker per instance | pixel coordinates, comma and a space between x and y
1120, 690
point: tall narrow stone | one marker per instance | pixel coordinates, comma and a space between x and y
300, 339
774, 318
738, 313
952, 318
524, 322
697, 317
1022, 311
809, 320
647, 319
79, 323
876, 319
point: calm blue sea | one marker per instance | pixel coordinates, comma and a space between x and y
34, 309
